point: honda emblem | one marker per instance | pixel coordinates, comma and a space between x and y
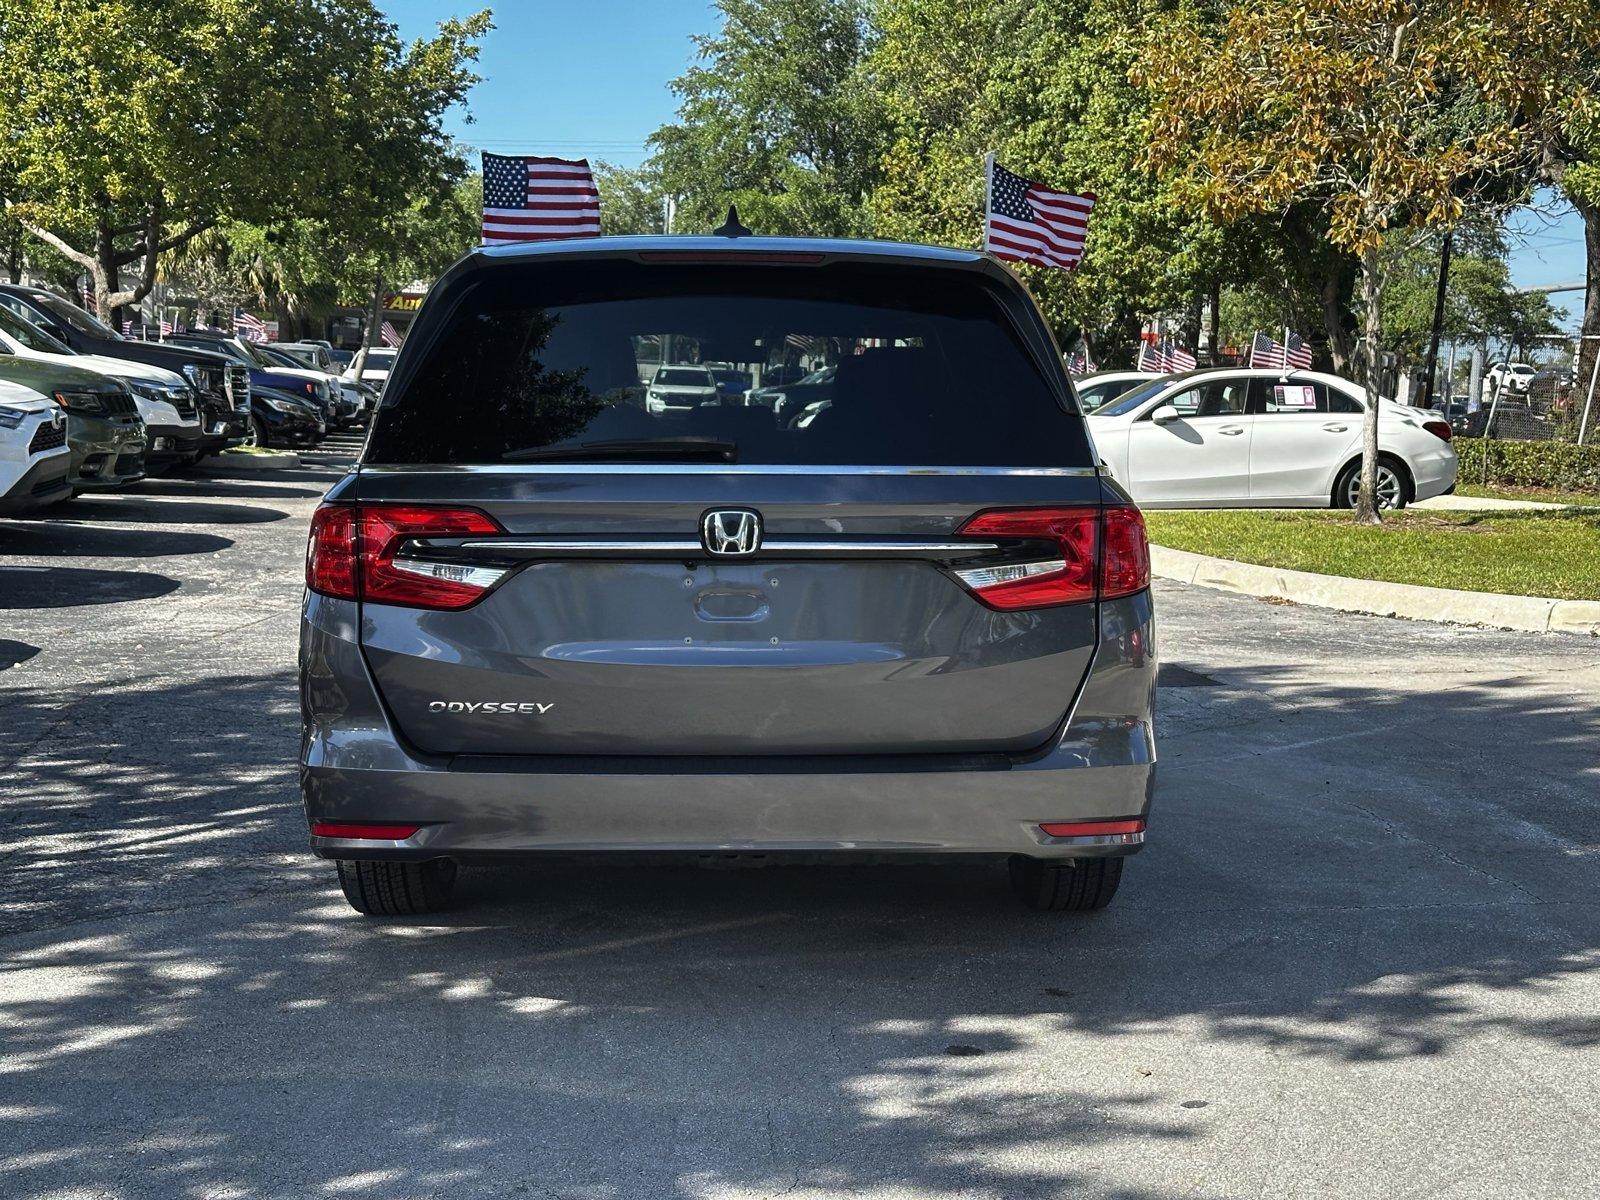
729, 531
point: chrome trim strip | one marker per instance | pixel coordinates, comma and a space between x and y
482, 577
801, 545
559, 545
676, 546
1097, 839
657, 468
982, 577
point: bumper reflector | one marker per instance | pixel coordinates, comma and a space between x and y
377, 833
1098, 833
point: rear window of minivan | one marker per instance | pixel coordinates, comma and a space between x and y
901, 367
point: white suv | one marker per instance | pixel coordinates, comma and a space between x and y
1513, 377
35, 462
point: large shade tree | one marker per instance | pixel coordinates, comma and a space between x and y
127, 129
778, 115
1047, 88
1397, 115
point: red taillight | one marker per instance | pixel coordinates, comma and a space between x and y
1439, 429
1124, 554
1092, 552
353, 547
378, 833
331, 552
1090, 828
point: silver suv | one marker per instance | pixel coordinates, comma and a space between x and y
545, 616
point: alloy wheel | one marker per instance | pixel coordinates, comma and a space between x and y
1388, 488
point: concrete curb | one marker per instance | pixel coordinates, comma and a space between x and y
1532, 613
276, 461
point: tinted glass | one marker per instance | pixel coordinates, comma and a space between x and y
546, 358
1214, 398
682, 378
31, 337
1129, 401
1301, 396
74, 316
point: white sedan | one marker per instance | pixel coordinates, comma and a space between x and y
1242, 438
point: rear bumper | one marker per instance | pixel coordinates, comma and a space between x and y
1100, 766
1434, 471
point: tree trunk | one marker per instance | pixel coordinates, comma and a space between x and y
1214, 322
14, 256
1334, 296
1437, 329
1589, 346
1190, 333
369, 337
107, 275
1367, 512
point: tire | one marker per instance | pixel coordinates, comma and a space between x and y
397, 889
258, 435
1349, 479
1073, 885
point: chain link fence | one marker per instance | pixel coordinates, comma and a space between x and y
1552, 404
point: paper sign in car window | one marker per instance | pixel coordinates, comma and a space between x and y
1294, 397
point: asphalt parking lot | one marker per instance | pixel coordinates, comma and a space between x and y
1361, 955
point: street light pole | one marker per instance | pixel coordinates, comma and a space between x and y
1438, 315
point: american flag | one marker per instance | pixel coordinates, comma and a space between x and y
1165, 356
248, 326
529, 199
1266, 351
1027, 222
166, 328
389, 335
1079, 362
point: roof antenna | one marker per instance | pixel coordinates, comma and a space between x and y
731, 227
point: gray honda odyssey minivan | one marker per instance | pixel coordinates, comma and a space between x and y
546, 617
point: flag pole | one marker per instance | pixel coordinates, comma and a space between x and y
988, 193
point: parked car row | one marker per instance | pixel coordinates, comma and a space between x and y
84, 409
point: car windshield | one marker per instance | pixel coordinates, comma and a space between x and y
31, 337
925, 371
73, 315
221, 347
1128, 401
682, 377
276, 358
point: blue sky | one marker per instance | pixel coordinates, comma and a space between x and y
589, 79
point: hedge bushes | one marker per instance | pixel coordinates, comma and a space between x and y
1560, 466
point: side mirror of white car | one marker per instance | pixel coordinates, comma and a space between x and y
1165, 414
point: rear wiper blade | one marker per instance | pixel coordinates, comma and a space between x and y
714, 449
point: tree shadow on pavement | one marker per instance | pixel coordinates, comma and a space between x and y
217, 488
60, 539
190, 1009
31, 587
132, 509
